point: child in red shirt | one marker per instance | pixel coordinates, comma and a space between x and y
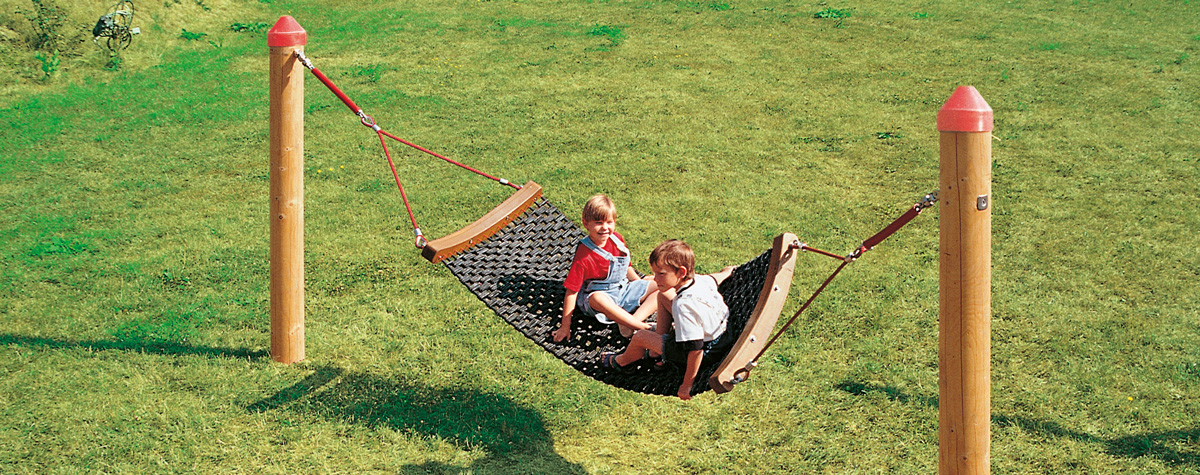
601, 282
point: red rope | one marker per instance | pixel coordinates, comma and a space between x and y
403, 196
806, 247
447, 160
370, 122
871, 242
798, 312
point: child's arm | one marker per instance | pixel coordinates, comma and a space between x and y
564, 331
665, 323
694, 358
631, 274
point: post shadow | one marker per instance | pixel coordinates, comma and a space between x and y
513, 436
159, 347
1151, 444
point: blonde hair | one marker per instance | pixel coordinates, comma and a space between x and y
599, 208
674, 253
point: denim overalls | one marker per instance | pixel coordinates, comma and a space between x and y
625, 293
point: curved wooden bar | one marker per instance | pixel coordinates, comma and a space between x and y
484, 227
758, 329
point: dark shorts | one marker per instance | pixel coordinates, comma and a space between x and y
677, 352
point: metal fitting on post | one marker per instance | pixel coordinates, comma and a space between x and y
304, 60
928, 200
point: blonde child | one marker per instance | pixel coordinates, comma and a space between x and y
601, 282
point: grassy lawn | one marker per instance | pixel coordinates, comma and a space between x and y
134, 314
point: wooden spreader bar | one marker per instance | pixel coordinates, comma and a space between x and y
484, 227
734, 368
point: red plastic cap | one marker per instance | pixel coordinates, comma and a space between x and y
286, 32
965, 111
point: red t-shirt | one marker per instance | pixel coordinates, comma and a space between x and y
588, 265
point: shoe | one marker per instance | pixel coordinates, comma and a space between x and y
608, 360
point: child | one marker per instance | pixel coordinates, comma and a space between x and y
697, 309
601, 282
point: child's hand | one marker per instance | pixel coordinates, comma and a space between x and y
685, 392
562, 333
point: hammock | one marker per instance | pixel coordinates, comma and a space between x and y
516, 258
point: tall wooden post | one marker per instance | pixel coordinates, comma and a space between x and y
964, 378
287, 191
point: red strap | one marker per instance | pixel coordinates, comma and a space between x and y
891, 228
370, 122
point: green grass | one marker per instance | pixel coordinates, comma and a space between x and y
133, 235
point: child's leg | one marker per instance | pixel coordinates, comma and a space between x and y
648, 304
642, 341
647, 308
603, 303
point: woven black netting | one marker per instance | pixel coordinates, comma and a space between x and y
519, 272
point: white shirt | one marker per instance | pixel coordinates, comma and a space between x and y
699, 311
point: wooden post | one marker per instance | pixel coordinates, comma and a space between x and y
287, 191
964, 334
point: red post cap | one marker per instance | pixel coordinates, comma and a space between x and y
965, 111
286, 32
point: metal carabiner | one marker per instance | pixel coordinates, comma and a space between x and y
368, 120
743, 374
853, 256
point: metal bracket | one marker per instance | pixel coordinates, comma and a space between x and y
981, 202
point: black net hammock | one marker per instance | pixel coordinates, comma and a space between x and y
518, 273
516, 257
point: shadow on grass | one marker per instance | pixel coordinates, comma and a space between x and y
895, 394
133, 345
513, 436
1154, 444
